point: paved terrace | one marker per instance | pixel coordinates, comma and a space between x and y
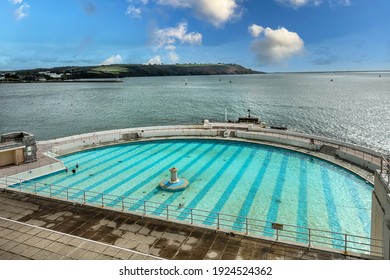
41, 229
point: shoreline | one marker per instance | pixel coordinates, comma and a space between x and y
65, 81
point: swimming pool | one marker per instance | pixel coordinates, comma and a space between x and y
236, 178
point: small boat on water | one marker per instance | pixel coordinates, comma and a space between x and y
256, 120
248, 119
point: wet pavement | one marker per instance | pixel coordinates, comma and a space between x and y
40, 228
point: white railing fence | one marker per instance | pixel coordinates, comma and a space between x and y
310, 237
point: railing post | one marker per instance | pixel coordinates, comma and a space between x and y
6, 182
382, 165
102, 199
20, 185
35, 187
309, 236
123, 204
345, 243
85, 200
167, 211
50, 190
144, 207
217, 221
246, 226
192, 219
277, 234
67, 194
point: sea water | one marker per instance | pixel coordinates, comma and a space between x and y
350, 107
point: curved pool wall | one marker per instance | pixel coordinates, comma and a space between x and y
242, 179
361, 156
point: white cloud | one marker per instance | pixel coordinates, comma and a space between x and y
276, 46
173, 57
16, 1
255, 30
114, 59
172, 35
170, 48
333, 3
300, 3
217, 12
133, 12
156, 60
21, 12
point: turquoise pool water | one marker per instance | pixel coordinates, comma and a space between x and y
235, 178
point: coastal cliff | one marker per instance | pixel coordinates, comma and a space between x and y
122, 71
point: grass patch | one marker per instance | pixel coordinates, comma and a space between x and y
110, 69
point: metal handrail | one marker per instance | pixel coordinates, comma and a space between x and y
346, 243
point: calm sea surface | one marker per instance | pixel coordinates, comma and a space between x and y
353, 107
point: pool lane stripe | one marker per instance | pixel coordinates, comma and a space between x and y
277, 195
153, 176
255, 188
98, 157
122, 170
61, 180
229, 190
333, 219
115, 157
302, 218
202, 193
362, 212
115, 164
201, 170
175, 195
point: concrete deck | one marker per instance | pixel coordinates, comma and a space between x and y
37, 228
42, 160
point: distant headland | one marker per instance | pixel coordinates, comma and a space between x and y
117, 71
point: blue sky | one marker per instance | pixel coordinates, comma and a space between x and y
268, 35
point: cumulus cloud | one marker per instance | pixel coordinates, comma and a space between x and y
276, 46
172, 35
217, 12
156, 60
21, 12
16, 1
114, 59
167, 38
255, 30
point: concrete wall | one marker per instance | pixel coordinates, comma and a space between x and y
380, 214
366, 164
274, 139
7, 157
15, 156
